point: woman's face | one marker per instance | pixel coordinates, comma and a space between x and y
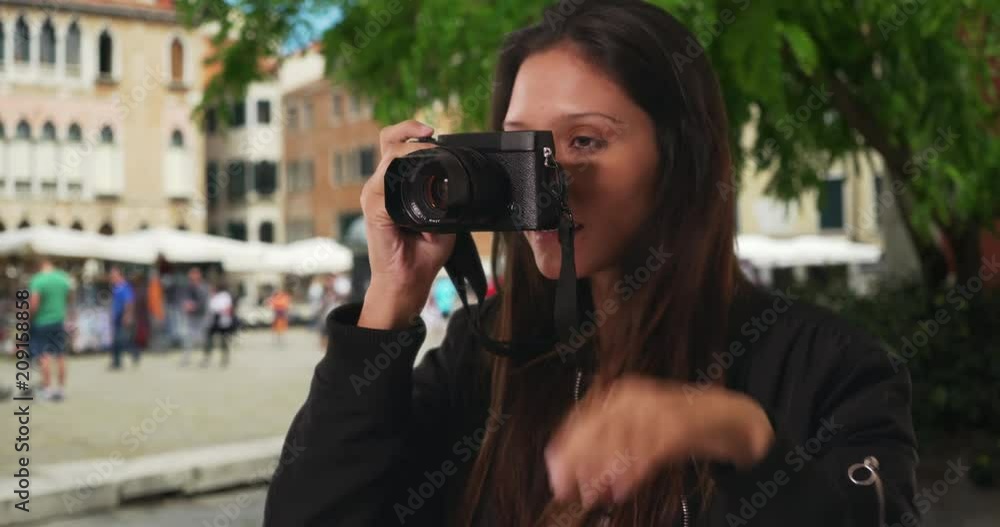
604, 141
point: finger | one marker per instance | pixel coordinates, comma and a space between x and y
400, 132
562, 481
627, 479
569, 457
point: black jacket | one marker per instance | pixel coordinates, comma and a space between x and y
378, 442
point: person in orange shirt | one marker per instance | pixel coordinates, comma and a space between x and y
281, 303
159, 338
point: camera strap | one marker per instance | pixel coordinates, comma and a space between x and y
465, 270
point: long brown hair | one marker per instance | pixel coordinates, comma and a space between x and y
669, 326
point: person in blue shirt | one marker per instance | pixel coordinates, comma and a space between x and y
122, 318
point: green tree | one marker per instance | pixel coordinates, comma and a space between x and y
912, 80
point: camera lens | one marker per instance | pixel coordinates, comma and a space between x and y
436, 187
449, 187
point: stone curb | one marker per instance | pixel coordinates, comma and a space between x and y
79, 487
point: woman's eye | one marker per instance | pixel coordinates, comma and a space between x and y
583, 142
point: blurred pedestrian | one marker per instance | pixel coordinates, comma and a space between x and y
173, 288
50, 294
143, 323
281, 303
315, 294
159, 337
122, 319
194, 300
222, 322
445, 296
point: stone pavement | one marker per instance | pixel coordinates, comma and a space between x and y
159, 406
125, 429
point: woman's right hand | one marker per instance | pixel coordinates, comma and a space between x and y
403, 263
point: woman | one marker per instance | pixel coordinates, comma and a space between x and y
221, 322
280, 303
711, 403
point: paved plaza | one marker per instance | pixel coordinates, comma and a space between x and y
159, 406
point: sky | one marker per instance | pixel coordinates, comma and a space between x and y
323, 19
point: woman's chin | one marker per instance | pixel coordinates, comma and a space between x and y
550, 265
548, 269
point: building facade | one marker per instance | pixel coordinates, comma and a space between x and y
243, 156
331, 149
95, 116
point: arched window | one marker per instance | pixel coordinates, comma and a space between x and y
22, 41
182, 227
48, 131
107, 136
2, 227
23, 130
106, 229
104, 47
73, 49
265, 232
177, 61
74, 134
47, 45
77, 226
24, 224
177, 139
52, 222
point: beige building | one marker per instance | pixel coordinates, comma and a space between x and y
331, 149
851, 205
95, 116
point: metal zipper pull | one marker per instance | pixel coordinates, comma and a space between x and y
870, 464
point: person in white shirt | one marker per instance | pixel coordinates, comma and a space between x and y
221, 322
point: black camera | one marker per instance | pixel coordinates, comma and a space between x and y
501, 181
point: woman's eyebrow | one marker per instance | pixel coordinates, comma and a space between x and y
593, 114
568, 117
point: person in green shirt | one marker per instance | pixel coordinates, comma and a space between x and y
50, 294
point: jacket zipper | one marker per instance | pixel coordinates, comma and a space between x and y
606, 520
870, 464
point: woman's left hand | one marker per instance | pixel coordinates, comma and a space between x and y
618, 437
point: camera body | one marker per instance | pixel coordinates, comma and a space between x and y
499, 181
